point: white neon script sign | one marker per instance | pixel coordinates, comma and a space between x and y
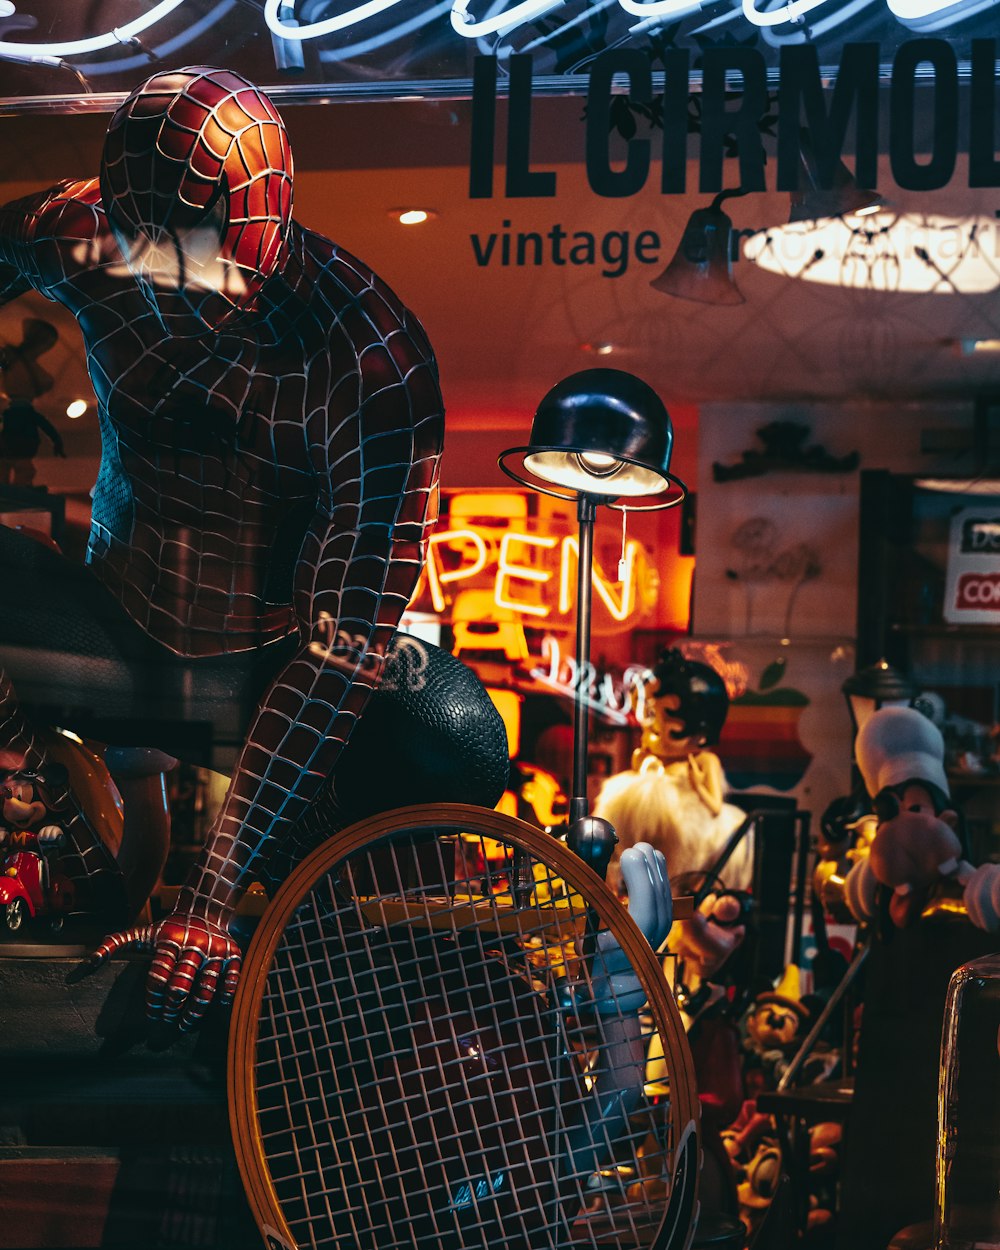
919, 12
618, 700
94, 43
793, 12
924, 15
314, 30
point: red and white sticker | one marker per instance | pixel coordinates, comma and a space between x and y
972, 586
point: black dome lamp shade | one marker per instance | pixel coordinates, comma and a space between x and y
603, 433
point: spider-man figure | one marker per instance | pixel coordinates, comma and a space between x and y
271, 427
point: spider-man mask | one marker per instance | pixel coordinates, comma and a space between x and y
196, 180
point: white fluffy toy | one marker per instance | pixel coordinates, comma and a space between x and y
673, 796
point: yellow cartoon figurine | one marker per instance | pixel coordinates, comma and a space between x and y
673, 796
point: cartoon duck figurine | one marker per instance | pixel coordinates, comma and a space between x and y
673, 796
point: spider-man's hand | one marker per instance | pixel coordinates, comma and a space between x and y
195, 963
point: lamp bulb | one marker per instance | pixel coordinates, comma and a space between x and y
598, 462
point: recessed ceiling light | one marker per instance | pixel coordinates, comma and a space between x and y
969, 347
960, 485
412, 216
76, 409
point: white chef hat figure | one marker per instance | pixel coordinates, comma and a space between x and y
899, 744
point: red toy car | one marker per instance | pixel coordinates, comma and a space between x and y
29, 888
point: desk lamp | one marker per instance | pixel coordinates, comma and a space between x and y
601, 436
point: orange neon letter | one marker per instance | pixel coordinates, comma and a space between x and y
507, 570
621, 610
437, 577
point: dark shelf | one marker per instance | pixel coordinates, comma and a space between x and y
974, 780
826, 1100
100, 1102
962, 633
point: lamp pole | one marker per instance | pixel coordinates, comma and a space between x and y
586, 512
591, 837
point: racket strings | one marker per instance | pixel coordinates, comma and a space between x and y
420, 1077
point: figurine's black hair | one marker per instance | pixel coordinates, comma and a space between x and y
842, 813
887, 802
704, 700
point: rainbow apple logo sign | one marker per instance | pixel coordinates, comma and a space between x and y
760, 743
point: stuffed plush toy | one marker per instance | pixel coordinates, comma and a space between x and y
673, 794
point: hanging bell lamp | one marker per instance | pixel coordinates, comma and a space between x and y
702, 267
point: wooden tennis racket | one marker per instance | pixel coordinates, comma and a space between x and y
421, 1057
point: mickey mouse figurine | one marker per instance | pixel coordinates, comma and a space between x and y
25, 818
774, 1026
29, 886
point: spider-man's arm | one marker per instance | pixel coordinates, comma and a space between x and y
19, 269
12, 283
356, 572
48, 238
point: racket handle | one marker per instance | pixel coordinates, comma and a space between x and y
593, 839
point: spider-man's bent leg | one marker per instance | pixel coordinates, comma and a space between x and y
429, 735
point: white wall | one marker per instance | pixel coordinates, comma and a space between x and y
763, 616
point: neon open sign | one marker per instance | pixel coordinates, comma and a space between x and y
532, 575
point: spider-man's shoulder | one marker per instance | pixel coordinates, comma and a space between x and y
337, 271
71, 211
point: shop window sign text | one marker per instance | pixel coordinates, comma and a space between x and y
940, 245
802, 103
611, 251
